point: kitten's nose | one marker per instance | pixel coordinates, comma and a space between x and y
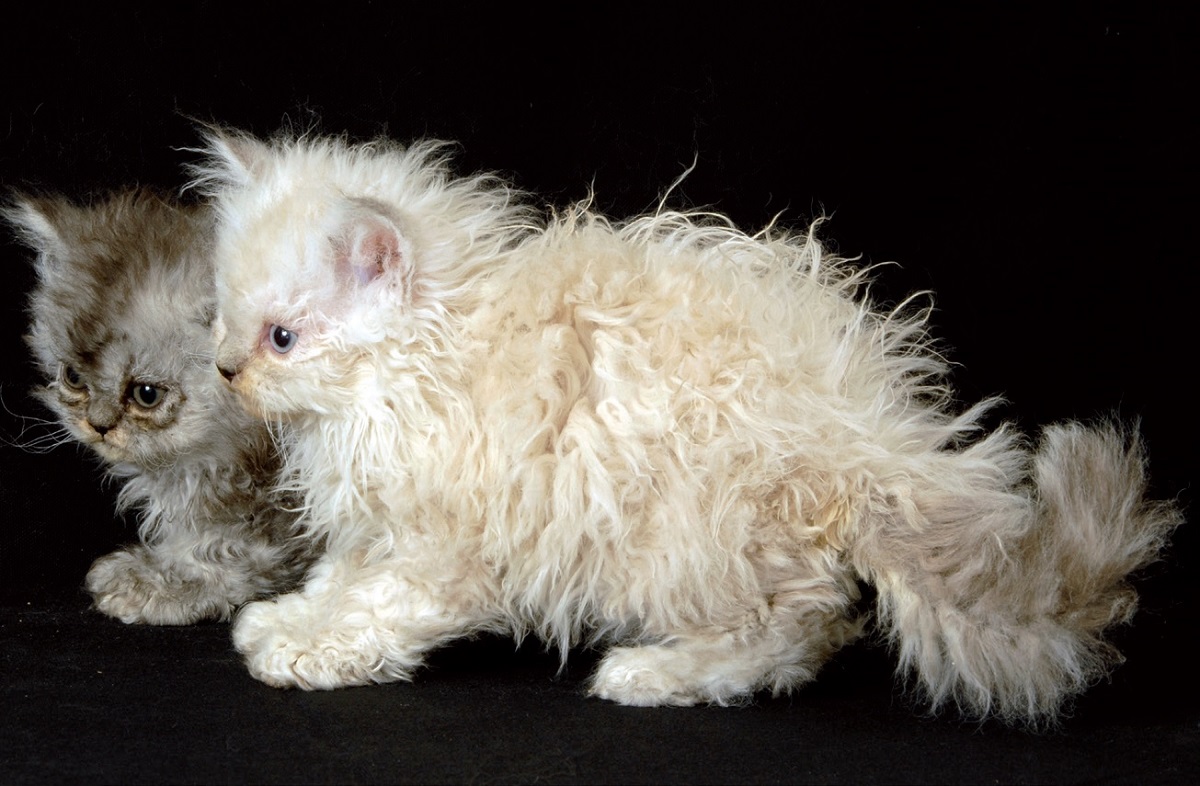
103, 414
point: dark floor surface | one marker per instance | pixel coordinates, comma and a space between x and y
89, 700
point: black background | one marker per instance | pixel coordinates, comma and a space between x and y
1035, 167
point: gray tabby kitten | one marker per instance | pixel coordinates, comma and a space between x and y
121, 319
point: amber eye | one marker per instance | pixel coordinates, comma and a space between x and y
282, 340
71, 378
145, 396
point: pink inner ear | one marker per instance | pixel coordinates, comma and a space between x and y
374, 249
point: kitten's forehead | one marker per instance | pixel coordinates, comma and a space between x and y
128, 344
271, 249
124, 326
119, 252
101, 293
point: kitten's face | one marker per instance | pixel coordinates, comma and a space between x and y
121, 325
302, 284
329, 254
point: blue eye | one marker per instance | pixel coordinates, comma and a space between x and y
145, 396
282, 340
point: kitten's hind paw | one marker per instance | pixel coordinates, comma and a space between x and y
640, 677
720, 669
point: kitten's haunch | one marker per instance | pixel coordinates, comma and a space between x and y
661, 434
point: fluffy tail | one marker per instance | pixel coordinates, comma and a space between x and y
996, 596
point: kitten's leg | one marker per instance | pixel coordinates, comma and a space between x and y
781, 645
353, 625
189, 577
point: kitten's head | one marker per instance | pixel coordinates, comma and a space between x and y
329, 254
121, 322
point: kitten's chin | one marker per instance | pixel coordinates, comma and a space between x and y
111, 453
249, 393
260, 411
247, 401
112, 449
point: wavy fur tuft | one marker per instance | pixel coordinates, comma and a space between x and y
998, 602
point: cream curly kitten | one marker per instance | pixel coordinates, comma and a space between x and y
662, 435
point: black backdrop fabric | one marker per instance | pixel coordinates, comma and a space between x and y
1035, 167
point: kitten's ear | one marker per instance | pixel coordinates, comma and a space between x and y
370, 246
37, 222
232, 158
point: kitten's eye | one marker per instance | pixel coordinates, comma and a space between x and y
145, 396
282, 340
70, 377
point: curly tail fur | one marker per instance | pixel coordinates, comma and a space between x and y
996, 593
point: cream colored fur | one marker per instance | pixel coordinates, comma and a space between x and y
662, 435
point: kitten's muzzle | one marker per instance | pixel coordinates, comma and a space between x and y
229, 362
102, 415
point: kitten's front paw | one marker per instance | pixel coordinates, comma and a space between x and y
132, 587
286, 647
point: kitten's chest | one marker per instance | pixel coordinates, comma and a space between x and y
388, 459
